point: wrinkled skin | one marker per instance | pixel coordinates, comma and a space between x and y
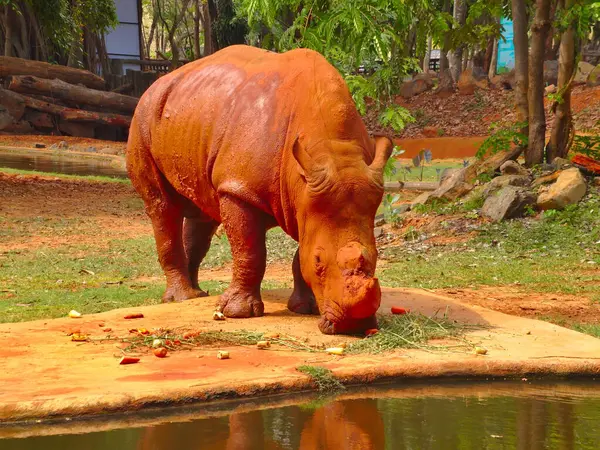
254, 139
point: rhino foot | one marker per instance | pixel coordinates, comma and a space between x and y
181, 294
236, 304
303, 303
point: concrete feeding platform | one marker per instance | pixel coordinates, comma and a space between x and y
46, 375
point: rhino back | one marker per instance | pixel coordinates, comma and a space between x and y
227, 123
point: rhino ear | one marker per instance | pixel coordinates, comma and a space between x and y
383, 150
305, 162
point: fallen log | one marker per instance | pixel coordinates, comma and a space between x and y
13, 103
10, 66
72, 114
587, 164
78, 94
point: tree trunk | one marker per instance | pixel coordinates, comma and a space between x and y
559, 139
69, 114
16, 66
520, 25
494, 62
550, 51
460, 15
489, 54
197, 14
444, 63
537, 118
77, 94
427, 56
7, 33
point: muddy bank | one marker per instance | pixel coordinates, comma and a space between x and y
51, 376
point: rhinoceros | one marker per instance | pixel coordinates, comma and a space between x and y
255, 139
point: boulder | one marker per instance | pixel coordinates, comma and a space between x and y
453, 186
446, 85
546, 179
569, 188
468, 83
551, 72
427, 77
421, 199
505, 81
63, 145
511, 167
593, 78
550, 89
414, 87
583, 70
508, 203
561, 163
505, 180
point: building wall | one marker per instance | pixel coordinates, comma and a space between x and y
506, 48
124, 41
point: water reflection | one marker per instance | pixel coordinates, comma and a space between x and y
61, 164
460, 422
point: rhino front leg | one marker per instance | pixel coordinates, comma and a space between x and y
245, 227
302, 300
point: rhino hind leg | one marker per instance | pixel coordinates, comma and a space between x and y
197, 236
246, 229
302, 300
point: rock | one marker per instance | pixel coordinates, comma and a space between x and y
561, 163
414, 87
77, 129
421, 199
550, 89
53, 147
453, 186
6, 119
109, 151
505, 180
468, 83
378, 231
511, 167
546, 179
446, 85
593, 78
584, 68
505, 81
404, 207
63, 145
379, 222
430, 132
551, 72
569, 188
596, 181
448, 172
509, 202
39, 145
91, 149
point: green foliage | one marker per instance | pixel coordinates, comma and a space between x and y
322, 377
501, 139
407, 331
582, 16
588, 144
390, 168
396, 117
350, 34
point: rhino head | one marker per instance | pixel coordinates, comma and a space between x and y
336, 211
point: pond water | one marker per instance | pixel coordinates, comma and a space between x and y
67, 164
481, 416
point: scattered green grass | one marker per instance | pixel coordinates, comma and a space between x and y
405, 171
591, 329
553, 253
91, 178
49, 282
407, 331
323, 378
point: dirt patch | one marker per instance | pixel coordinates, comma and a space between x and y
511, 300
50, 211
